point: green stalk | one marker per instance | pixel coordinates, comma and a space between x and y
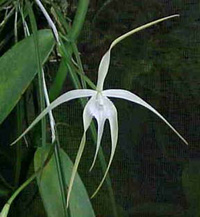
79, 19
39, 68
19, 115
2, 179
104, 167
58, 81
56, 148
60, 177
78, 59
73, 35
5, 210
19, 144
24, 185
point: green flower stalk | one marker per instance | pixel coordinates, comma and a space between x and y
101, 108
5, 210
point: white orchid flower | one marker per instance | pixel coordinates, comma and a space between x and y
101, 108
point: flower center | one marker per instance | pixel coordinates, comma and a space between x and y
99, 101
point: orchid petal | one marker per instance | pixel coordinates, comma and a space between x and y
117, 40
101, 108
101, 124
70, 95
127, 95
96, 108
105, 61
103, 70
114, 137
87, 118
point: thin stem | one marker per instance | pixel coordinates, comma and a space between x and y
104, 167
18, 114
78, 59
49, 20
56, 148
39, 68
73, 35
2, 179
24, 185
6, 207
19, 144
79, 19
15, 23
60, 176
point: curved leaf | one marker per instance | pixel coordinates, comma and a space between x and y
48, 183
18, 68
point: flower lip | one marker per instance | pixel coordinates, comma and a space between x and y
99, 100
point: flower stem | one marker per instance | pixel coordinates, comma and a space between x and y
39, 68
72, 35
79, 19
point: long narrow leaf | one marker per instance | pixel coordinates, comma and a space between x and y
15, 75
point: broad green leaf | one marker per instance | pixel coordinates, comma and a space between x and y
48, 183
18, 68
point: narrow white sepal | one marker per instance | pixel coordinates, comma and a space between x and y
113, 121
147, 25
51, 118
127, 95
70, 95
103, 70
96, 108
105, 61
100, 124
87, 118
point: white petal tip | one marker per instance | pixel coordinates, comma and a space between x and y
93, 163
184, 140
91, 168
67, 205
92, 196
12, 143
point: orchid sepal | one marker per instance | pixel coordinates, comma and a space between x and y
127, 95
68, 96
99, 99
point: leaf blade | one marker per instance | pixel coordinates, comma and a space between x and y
49, 187
15, 75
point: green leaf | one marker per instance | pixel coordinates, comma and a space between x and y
48, 183
18, 68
